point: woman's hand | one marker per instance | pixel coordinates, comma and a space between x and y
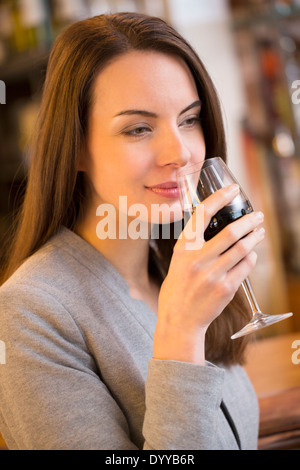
201, 282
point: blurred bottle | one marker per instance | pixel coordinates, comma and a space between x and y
6, 32
24, 25
35, 19
284, 7
65, 12
275, 92
20, 42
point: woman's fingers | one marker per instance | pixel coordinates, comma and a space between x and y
242, 270
198, 222
218, 200
239, 251
234, 232
226, 272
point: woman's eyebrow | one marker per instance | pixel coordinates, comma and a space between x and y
143, 112
136, 111
196, 104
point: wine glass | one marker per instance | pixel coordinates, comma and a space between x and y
196, 183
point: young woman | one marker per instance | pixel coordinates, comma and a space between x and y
115, 342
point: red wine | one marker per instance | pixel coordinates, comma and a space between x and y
225, 216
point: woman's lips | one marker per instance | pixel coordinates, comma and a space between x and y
168, 189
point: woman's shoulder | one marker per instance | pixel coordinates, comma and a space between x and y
35, 296
64, 258
66, 269
44, 266
57, 271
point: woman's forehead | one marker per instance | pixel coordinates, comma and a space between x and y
139, 77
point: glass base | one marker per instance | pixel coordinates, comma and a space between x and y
260, 320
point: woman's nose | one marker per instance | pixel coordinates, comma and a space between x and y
173, 150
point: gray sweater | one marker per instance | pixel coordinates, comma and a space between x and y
79, 372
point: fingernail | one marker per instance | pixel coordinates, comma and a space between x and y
233, 188
261, 231
260, 215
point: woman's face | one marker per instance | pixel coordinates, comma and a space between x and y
144, 124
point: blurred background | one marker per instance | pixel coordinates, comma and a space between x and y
252, 51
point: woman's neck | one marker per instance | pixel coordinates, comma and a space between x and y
128, 256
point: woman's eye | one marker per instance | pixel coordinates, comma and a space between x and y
191, 121
137, 131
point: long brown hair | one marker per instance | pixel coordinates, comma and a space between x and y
56, 191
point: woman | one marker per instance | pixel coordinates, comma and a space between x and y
115, 342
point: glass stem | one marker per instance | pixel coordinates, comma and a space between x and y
250, 296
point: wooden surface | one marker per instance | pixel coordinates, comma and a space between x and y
280, 420
270, 365
2, 443
276, 380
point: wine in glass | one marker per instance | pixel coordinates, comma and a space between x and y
196, 183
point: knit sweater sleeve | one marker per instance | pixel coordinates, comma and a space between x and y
52, 395
182, 405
